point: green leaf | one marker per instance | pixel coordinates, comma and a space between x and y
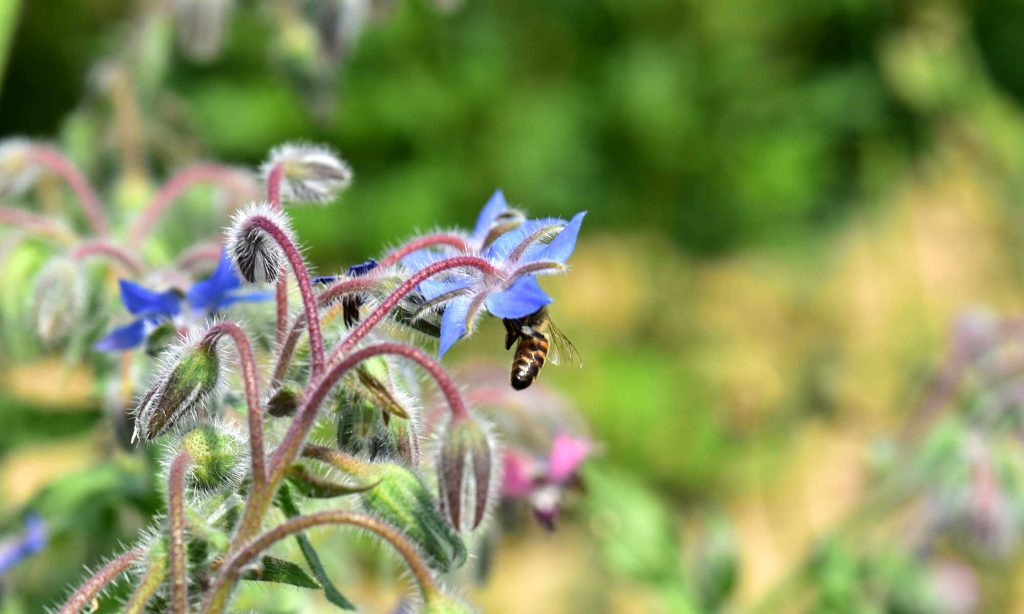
291, 510
280, 571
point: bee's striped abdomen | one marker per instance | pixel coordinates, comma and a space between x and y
530, 355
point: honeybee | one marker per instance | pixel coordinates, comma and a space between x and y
539, 339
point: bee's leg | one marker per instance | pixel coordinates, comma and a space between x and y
511, 332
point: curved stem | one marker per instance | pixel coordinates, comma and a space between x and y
85, 593
66, 169
176, 539
281, 297
331, 294
316, 343
274, 179
252, 394
286, 453
230, 572
148, 584
441, 238
405, 288
111, 251
177, 185
35, 223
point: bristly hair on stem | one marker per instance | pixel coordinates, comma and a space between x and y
176, 529
107, 574
259, 242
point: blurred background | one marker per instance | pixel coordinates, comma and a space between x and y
791, 208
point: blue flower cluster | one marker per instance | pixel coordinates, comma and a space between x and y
151, 308
518, 248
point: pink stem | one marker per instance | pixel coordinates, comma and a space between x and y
452, 240
291, 445
176, 186
316, 342
231, 570
176, 540
405, 288
339, 289
109, 250
88, 591
35, 223
274, 178
252, 394
60, 164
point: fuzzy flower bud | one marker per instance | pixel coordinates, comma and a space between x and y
465, 472
59, 299
189, 376
255, 253
201, 25
218, 457
18, 172
307, 173
401, 499
359, 423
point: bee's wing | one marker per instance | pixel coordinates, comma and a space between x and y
561, 349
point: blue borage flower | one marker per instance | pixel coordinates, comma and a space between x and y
350, 304
531, 248
207, 297
32, 540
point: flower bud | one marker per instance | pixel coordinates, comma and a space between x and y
464, 473
284, 402
254, 252
18, 172
401, 499
443, 603
190, 375
218, 457
400, 442
59, 299
359, 423
309, 173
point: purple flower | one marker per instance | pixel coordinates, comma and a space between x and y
542, 482
536, 247
32, 540
206, 297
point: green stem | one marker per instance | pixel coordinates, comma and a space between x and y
9, 10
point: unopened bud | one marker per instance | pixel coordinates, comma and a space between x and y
401, 499
218, 457
308, 173
464, 473
188, 378
201, 25
255, 253
284, 402
59, 299
359, 423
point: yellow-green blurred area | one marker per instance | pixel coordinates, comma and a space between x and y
789, 203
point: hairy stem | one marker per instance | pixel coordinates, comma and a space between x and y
88, 591
441, 238
316, 343
36, 224
156, 572
274, 178
252, 395
177, 185
176, 539
66, 169
111, 251
337, 458
231, 571
401, 291
328, 296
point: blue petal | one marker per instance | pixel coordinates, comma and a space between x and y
561, 247
523, 297
494, 207
453, 323
246, 297
207, 294
358, 270
123, 337
141, 301
324, 280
